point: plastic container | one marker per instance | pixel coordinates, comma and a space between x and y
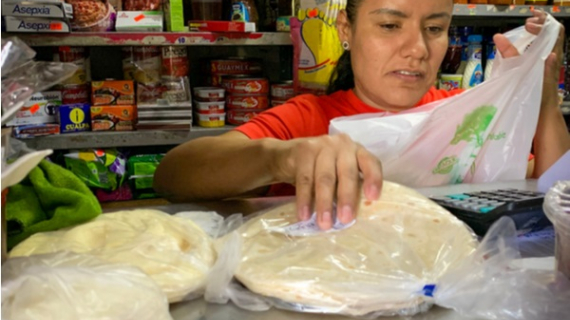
209, 94
474, 70
210, 106
557, 209
213, 120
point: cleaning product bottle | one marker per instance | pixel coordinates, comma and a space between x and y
474, 70
490, 61
464, 33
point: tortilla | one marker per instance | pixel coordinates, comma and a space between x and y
378, 265
173, 251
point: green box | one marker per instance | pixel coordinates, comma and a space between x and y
174, 16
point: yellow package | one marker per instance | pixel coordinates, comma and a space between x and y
317, 43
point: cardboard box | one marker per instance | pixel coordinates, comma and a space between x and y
113, 92
38, 9
221, 26
113, 118
42, 25
36, 130
139, 21
74, 117
41, 108
174, 16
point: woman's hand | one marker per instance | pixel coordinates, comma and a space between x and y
326, 167
553, 62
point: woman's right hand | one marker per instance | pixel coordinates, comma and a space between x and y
324, 168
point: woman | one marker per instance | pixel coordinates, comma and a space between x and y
393, 50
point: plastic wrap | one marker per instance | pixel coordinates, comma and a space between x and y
403, 255
66, 286
21, 76
172, 250
481, 135
557, 209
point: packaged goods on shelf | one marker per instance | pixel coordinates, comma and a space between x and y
220, 68
239, 85
77, 56
93, 15
174, 61
113, 118
239, 117
112, 92
41, 108
74, 117
139, 21
211, 120
174, 16
35, 130
75, 93
164, 125
140, 170
142, 5
37, 9
169, 92
209, 94
283, 90
209, 106
35, 25
221, 26
248, 102
142, 64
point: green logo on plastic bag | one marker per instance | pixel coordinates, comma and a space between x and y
445, 165
474, 126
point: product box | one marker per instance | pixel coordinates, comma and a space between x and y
113, 92
35, 130
37, 9
221, 26
141, 170
74, 117
174, 16
139, 21
113, 118
41, 25
41, 108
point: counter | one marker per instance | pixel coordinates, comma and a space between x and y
199, 309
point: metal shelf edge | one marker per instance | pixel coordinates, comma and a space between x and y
505, 11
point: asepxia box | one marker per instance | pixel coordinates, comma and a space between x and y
74, 117
37, 9
42, 25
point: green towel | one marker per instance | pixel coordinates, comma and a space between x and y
50, 198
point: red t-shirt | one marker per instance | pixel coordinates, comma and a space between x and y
309, 116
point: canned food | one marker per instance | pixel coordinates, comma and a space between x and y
210, 107
77, 56
275, 103
75, 93
235, 66
283, 90
236, 101
239, 117
211, 120
174, 61
209, 94
246, 85
143, 64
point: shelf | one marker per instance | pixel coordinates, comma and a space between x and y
156, 39
514, 11
121, 139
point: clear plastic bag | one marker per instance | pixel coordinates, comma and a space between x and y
67, 286
427, 263
482, 135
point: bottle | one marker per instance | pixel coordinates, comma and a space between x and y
453, 56
474, 70
464, 32
490, 61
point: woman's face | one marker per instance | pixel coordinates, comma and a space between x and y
396, 48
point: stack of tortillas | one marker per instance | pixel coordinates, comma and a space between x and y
173, 251
378, 265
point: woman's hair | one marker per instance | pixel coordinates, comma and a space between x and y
342, 77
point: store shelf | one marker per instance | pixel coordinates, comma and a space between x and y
121, 139
157, 39
514, 11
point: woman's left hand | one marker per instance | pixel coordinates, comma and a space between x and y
553, 62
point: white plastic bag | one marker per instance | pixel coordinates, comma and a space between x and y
68, 286
481, 135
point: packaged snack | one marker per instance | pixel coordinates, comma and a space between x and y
141, 170
112, 92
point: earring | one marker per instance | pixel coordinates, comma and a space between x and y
345, 45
